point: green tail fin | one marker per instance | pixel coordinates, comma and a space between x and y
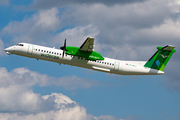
159, 60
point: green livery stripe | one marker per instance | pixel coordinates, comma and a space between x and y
160, 59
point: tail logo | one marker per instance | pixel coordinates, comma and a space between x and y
158, 63
163, 56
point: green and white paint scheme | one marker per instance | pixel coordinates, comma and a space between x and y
159, 60
85, 56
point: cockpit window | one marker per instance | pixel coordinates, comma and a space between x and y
19, 45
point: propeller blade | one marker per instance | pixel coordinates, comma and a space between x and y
63, 54
65, 43
63, 48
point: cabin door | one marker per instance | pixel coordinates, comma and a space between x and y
116, 66
30, 49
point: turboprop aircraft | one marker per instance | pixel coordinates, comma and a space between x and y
85, 56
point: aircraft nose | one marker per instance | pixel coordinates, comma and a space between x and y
8, 50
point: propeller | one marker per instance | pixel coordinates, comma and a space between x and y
63, 48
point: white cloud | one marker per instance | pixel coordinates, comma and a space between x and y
17, 95
19, 102
27, 78
75, 36
112, 25
65, 109
167, 32
174, 6
16, 98
34, 27
43, 20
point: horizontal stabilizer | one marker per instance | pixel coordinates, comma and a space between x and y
167, 48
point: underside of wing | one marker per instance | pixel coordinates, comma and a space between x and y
88, 45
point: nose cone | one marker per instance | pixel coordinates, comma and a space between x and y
8, 50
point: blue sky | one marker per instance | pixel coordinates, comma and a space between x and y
127, 30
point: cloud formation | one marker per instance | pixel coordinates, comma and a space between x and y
45, 4
59, 107
27, 78
75, 36
33, 28
19, 102
135, 25
17, 95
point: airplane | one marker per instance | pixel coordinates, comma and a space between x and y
85, 57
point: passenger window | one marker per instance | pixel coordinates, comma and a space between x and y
44, 50
81, 58
112, 64
41, 50
109, 63
102, 62
52, 52
49, 51
36, 49
78, 57
57, 53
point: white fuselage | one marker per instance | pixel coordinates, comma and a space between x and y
107, 65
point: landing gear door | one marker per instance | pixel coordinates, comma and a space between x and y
116, 66
30, 49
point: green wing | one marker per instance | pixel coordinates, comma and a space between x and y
85, 51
